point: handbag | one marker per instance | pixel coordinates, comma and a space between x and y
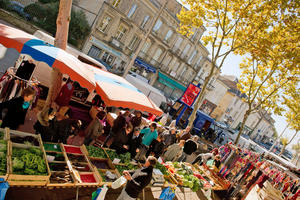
167, 194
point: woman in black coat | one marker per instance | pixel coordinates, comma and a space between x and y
134, 142
13, 112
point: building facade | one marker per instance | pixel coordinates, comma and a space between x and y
167, 60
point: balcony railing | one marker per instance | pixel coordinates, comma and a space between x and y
116, 43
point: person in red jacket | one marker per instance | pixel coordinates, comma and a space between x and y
65, 94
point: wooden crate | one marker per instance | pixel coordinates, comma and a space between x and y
8, 154
51, 143
27, 180
108, 161
76, 173
24, 134
103, 182
6, 133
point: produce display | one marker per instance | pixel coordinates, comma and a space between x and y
55, 156
3, 161
72, 149
61, 177
100, 164
81, 167
185, 175
52, 147
124, 158
28, 140
76, 158
1, 135
28, 161
161, 168
96, 152
122, 168
87, 178
108, 176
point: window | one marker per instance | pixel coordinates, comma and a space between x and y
145, 20
178, 42
186, 49
199, 60
134, 42
168, 35
94, 52
146, 46
157, 54
157, 25
104, 24
192, 56
132, 10
121, 32
116, 3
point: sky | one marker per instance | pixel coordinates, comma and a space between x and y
231, 67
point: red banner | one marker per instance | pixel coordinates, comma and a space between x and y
190, 95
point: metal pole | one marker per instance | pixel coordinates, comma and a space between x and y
128, 67
77, 193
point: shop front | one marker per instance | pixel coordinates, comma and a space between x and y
171, 88
109, 57
143, 69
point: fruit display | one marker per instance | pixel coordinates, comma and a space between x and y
161, 168
96, 152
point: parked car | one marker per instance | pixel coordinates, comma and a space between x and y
19, 8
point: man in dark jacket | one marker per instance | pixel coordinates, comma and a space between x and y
121, 140
137, 180
190, 147
134, 142
156, 147
66, 128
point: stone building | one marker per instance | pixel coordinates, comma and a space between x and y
168, 60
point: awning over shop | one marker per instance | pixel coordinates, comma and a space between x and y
140, 63
170, 82
104, 47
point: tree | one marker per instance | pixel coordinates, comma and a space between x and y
292, 101
284, 142
296, 148
79, 27
233, 26
36, 10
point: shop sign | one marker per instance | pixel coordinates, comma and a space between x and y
190, 95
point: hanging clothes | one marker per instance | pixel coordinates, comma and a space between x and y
25, 70
65, 95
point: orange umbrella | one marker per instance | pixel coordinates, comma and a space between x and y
117, 91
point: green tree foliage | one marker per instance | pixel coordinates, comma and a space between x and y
46, 14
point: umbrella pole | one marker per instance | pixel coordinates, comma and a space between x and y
77, 193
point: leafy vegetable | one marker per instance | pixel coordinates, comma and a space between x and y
122, 168
1, 135
3, 167
162, 168
28, 162
96, 152
125, 158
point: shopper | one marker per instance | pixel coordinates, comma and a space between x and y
137, 180
170, 136
174, 151
136, 120
44, 124
204, 157
134, 142
13, 112
190, 147
185, 134
95, 128
156, 147
120, 143
118, 124
66, 128
149, 134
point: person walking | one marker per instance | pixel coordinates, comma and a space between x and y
134, 142
149, 134
137, 180
156, 147
13, 112
185, 134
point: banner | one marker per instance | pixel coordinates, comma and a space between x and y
190, 95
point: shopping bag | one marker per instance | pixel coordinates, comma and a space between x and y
100, 193
119, 182
3, 188
167, 194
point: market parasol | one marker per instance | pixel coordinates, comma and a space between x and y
55, 57
117, 91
